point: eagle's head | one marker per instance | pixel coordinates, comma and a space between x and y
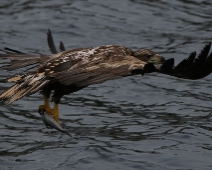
149, 56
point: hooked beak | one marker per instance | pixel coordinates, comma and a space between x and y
156, 59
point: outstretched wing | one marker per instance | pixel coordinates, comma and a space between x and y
120, 66
192, 67
84, 74
20, 59
27, 84
83, 67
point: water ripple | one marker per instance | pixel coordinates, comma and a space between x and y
149, 122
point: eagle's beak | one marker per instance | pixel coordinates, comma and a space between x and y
156, 59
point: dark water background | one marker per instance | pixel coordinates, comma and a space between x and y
153, 122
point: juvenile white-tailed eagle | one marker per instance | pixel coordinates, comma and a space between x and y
70, 71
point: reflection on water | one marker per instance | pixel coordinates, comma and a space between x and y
150, 122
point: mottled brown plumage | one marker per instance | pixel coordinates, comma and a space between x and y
69, 71
76, 69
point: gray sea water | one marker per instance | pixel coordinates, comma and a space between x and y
154, 122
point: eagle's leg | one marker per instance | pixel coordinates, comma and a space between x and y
56, 99
46, 91
55, 112
45, 106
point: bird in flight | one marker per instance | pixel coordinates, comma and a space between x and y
69, 71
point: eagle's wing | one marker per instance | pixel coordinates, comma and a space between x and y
19, 60
50, 42
99, 71
82, 67
83, 74
192, 67
11, 51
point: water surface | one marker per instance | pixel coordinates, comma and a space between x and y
150, 122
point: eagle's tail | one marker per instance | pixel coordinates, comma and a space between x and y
26, 85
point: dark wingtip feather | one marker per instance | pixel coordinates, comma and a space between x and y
148, 68
167, 65
205, 69
201, 57
50, 41
186, 62
62, 47
191, 67
7, 50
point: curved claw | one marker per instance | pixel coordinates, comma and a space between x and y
41, 109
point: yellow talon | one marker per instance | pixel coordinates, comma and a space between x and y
46, 105
46, 108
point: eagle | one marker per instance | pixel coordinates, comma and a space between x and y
69, 71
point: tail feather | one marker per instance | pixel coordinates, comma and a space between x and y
16, 96
21, 93
9, 92
28, 84
38, 87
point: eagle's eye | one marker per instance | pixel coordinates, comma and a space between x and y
149, 56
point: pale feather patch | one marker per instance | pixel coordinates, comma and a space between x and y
14, 79
27, 85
